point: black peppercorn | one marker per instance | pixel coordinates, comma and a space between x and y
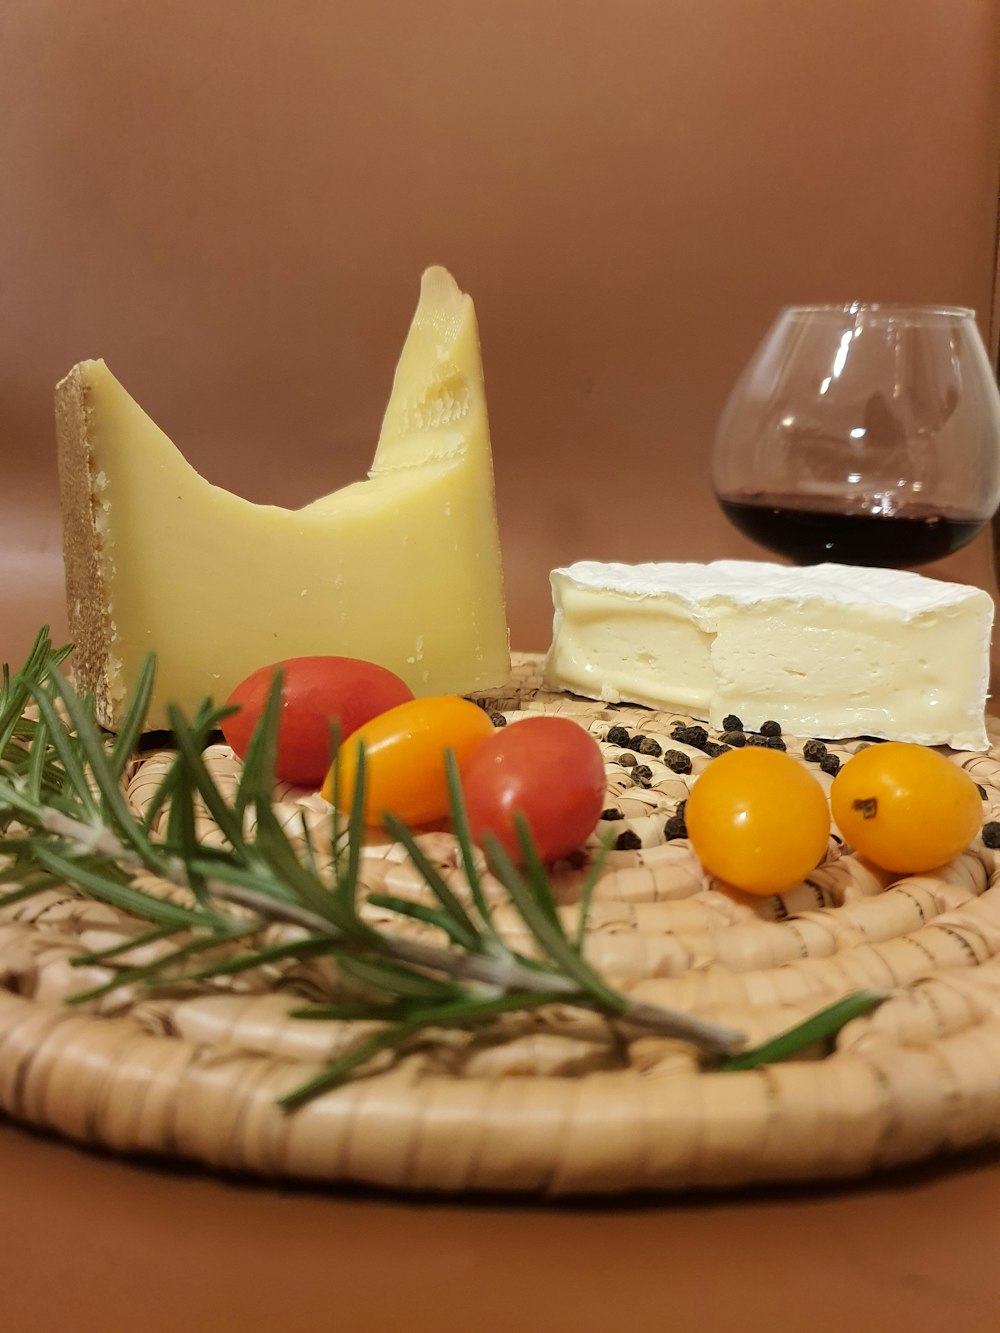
690, 736
627, 759
498, 719
731, 723
675, 827
734, 739
648, 746
611, 813
775, 743
991, 834
770, 728
830, 763
617, 736
627, 841
814, 751
642, 775
761, 742
713, 751
677, 761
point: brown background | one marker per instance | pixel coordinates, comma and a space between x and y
232, 204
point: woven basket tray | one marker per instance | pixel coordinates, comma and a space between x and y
554, 1102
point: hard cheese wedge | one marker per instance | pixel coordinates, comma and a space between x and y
829, 651
402, 569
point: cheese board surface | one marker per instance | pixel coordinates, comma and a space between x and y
554, 1101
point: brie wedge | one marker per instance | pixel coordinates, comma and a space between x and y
402, 569
832, 650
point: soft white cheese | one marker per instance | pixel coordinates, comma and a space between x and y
829, 650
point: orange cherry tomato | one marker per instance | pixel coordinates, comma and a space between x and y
758, 820
314, 692
550, 770
405, 748
904, 807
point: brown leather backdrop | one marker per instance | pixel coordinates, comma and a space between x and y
232, 204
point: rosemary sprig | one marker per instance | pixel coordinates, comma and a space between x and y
67, 821
819, 1027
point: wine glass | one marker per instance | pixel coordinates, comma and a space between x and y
862, 434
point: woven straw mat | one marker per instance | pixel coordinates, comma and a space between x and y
556, 1101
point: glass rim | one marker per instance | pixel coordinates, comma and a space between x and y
897, 309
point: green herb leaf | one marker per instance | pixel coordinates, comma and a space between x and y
63, 784
818, 1027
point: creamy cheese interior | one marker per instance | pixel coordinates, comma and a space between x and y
831, 651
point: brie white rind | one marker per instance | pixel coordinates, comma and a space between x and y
830, 650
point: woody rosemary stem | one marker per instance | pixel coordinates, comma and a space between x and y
64, 819
504, 973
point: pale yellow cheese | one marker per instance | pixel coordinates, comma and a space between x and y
402, 569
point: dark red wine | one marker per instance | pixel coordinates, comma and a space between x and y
809, 536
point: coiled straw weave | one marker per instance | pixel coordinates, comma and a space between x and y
553, 1102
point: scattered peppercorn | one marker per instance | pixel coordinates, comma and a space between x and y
498, 719
650, 747
991, 834
734, 739
693, 736
713, 751
731, 723
675, 827
775, 743
677, 761
761, 742
627, 759
814, 751
617, 736
642, 775
830, 763
770, 728
628, 841
611, 813
635, 741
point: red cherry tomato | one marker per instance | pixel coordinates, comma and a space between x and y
405, 773
547, 768
315, 691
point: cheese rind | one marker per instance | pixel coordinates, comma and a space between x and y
831, 650
402, 569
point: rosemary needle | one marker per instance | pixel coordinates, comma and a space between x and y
63, 819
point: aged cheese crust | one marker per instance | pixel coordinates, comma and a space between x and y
90, 625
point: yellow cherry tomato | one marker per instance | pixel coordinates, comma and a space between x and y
905, 807
405, 748
758, 820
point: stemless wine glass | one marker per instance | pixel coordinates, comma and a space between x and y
862, 434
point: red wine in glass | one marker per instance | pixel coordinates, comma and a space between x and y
862, 435
912, 536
